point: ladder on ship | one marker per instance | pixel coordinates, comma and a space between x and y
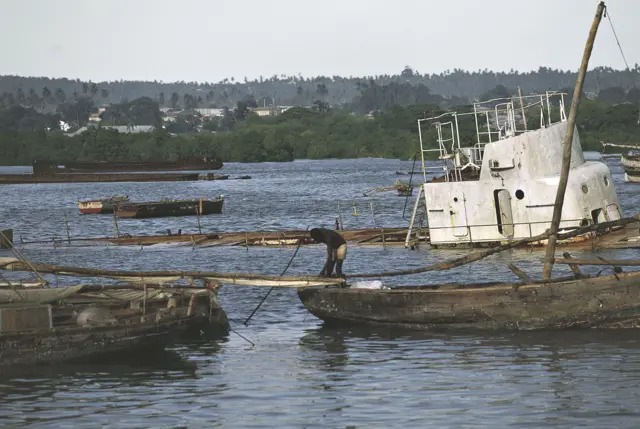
417, 224
448, 139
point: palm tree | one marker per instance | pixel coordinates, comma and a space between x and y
60, 95
20, 96
46, 95
33, 99
174, 100
321, 90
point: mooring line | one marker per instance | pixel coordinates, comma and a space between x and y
283, 272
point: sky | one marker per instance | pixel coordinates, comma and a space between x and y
209, 40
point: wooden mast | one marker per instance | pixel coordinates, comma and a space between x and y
567, 145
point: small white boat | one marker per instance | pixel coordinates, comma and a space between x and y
105, 205
630, 178
631, 160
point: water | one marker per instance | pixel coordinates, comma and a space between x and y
300, 374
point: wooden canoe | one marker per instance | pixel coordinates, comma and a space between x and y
630, 161
617, 148
631, 178
605, 301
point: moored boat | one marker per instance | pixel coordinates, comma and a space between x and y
586, 302
577, 301
104, 205
43, 167
613, 148
200, 207
630, 177
49, 325
631, 161
212, 176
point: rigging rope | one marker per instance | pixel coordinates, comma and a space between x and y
608, 15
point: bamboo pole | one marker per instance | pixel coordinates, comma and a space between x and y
612, 262
115, 221
373, 216
66, 224
266, 280
521, 274
574, 268
476, 256
567, 145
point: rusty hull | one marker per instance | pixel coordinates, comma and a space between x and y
607, 301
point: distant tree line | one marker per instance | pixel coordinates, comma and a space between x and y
300, 91
318, 132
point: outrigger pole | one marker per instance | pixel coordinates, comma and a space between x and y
567, 145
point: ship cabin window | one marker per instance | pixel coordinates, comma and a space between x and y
606, 181
519, 194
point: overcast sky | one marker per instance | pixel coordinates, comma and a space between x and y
208, 40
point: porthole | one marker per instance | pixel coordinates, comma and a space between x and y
585, 188
455, 199
519, 194
606, 181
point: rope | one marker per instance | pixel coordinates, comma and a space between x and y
608, 15
22, 258
271, 289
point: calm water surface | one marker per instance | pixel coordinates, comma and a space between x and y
300, 374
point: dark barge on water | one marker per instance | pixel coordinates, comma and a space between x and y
199, 207
44, 167
19, 179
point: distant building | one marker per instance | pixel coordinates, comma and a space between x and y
270, 110
131, 129
97, 117
124, 129
210, 112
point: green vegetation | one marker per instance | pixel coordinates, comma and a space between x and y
381, 121
298, 133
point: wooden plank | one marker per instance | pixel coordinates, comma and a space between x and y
518, 272
614, 262
574, 268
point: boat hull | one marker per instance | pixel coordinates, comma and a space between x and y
631, 178
133, 332
170, 208
189, 164
91, 210
630, 162
594, 302
611, 148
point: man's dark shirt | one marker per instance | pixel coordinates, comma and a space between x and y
332, 239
